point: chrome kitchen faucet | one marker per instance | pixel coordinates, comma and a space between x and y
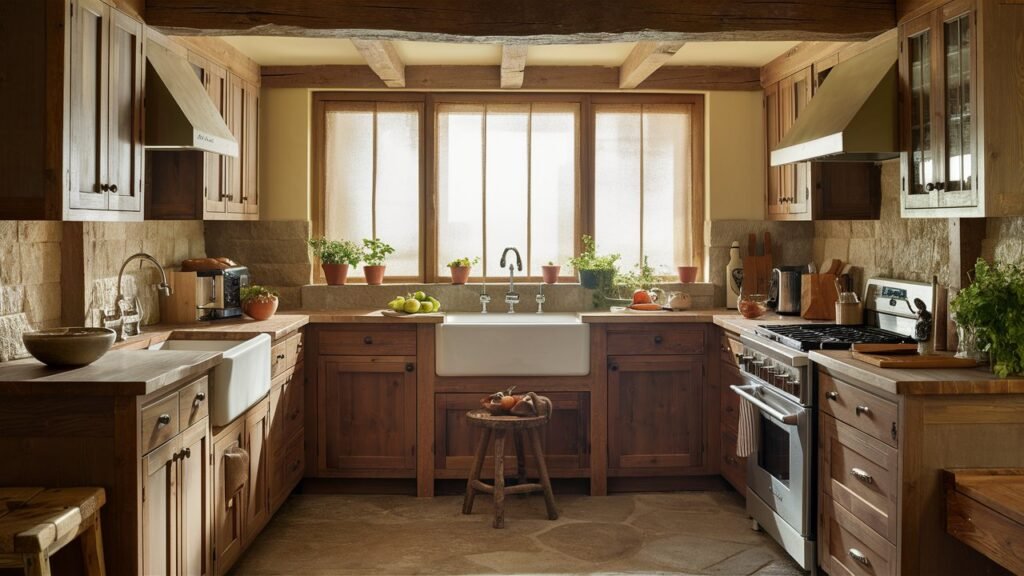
511, 297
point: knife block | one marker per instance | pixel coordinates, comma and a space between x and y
818, 296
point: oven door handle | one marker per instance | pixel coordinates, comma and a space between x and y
746, 392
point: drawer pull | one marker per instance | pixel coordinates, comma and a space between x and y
200, 396
862, 409
859, 557
657, 339
862, 476
163, 420
186, 453
368, 340
280, 356
832, 395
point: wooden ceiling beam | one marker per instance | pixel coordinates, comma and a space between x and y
535, 78
531, 21
383, 59
513, 64
643, 60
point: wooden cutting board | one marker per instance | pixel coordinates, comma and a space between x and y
906, 361
757, 266
887, 349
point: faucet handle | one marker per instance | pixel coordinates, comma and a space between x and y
484, 301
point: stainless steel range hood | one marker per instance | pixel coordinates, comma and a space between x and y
852, 116
179, 114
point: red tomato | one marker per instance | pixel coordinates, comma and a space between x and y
641, 296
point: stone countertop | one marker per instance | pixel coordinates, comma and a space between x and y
233, 329
367, 317
118, 373
924, 381
732, 321
660, 317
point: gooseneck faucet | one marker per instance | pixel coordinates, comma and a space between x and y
511, 297
163, 288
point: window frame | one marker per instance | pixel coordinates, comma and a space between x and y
586, 169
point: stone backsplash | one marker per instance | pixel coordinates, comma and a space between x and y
30, 271
275, 252
792, 244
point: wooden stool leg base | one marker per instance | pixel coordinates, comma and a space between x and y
499, 479
542, 467
92, 549
37, 564
474, 473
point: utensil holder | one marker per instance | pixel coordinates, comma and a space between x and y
849, 313
818, 296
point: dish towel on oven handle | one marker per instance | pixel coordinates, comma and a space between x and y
746, 439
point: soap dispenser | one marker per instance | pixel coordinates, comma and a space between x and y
733, 276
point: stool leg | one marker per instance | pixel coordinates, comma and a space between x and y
37, 564
499, 479
520, 458
92, 549
542, 467
474, 473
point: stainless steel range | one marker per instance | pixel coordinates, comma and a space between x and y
779, 382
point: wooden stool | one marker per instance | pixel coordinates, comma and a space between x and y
499, 426
35, 523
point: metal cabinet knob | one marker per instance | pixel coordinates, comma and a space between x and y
163, 419
929, 187
862, 409
186, 453
280, 356
113, 188
657, 339
410, 367
862, 476
368, 340
614, 367
832, 395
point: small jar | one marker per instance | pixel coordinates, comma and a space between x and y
752, 305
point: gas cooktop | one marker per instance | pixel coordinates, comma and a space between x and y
808, 337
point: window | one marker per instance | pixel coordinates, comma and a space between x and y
643, 181
371, 177
506, 176
444, 176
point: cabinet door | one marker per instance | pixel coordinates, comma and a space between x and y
799, 187
257, 423
88, 125
367, 419
215, 80
773, 130
160, 509
957, 188
918, 60
250, 151
227, 508
236, 123
565, 438
125, 145
655, 408
194, 501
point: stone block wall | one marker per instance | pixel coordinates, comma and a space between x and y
1005, 240
792, 244
30, 271
274, 250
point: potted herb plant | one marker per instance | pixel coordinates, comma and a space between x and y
991, 308
594, 270
550, 272
336, 256
259, 302
375, 252
460, 268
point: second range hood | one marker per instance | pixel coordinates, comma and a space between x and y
179, 114
852, 116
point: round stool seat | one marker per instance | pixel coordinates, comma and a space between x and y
498, 427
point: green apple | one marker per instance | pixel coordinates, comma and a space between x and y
412, 306
421, 296
434, 301
426, 307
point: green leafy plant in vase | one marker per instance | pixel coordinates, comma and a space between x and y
595, 271
336, 257
460, 268
375, 252
259, 302
992, 308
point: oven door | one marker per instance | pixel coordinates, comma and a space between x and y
779, 473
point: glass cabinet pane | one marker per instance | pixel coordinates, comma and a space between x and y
921, 160
956, 51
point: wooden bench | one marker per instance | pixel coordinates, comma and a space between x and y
985, 510
36, 522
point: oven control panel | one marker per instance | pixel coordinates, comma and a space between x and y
784, 372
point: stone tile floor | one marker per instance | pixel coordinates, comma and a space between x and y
648, 533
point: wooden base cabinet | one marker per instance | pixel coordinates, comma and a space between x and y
228, 509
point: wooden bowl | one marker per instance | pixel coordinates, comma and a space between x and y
69, 347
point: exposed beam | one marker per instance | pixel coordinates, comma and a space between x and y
383, 59
536, 78
643, 60
530, 21
513, 63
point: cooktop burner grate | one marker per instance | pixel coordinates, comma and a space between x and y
829, 336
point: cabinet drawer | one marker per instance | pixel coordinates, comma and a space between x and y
633, 340
860, 474
730, 403
730, 347
369, 341
294, 403
160, 422
733, 468
858, 408
294, 462
284, 354
853, 548
194, 402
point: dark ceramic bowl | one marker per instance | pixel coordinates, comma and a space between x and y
69, 347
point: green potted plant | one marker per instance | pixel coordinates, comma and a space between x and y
550, 272
460, 268
594, 270
336, 256
375, 252
259, 302
992, 308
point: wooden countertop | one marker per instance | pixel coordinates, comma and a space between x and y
684, 316
732, 321
119, 372
234, 329
366, 317
938, 381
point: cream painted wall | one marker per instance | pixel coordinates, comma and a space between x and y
284, 154
736, 160
734, 163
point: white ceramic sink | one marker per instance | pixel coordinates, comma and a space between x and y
239, 381
521, 344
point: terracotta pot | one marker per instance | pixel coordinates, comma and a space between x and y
687, 274
460, 274
550, 273
260, 310
374, 275
336, 274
